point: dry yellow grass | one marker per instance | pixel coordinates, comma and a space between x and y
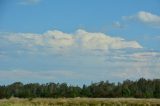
80, 102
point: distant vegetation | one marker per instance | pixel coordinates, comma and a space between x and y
141, 88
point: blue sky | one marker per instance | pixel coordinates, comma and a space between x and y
79, 41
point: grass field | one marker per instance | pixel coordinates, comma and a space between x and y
80, 102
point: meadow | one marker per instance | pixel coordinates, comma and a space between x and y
79, 102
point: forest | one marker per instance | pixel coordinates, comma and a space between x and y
141, 88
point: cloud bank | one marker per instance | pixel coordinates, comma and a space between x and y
59, 42
79, 56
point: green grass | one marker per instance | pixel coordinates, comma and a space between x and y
80, 102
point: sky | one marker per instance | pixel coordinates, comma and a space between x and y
79, 41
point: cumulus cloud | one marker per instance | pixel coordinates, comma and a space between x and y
116, 58
57, 41
146, 18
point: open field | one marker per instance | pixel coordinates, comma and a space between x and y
80, 102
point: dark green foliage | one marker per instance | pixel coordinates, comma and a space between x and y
140, 89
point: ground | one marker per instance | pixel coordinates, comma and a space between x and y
80, 102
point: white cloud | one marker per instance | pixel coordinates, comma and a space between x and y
59, 42
116, 58
101, 41
146, 18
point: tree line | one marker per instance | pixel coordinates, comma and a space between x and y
142, 88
